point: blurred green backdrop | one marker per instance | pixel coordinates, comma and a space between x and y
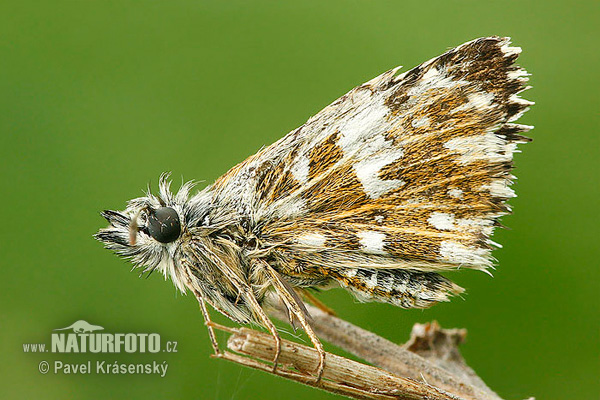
99, 97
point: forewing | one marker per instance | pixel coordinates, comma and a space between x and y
404, 171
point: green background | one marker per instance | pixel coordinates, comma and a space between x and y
97, 98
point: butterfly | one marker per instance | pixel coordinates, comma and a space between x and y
401, 179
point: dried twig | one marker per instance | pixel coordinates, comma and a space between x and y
428, 366
298, 362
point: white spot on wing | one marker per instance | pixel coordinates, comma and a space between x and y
349, 273
312, 239
500, 188
448, 222
441, 221
487, 146
456, 193
480, 100
300, 169
371, 283
372, 242
435, 80
362, 139
367, 172
364, 124
430, 74
292, 207
460, 254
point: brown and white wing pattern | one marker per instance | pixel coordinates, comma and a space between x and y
402, 177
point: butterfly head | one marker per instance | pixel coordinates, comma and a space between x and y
152, 230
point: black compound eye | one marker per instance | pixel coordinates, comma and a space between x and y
164, 225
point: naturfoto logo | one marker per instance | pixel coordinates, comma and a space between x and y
85, 339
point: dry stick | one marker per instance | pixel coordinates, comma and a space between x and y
436, 372
446, 370
342, 376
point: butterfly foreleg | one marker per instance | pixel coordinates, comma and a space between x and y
248, 296
205, 314
208, 323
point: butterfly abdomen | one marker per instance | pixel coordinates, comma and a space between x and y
403, 288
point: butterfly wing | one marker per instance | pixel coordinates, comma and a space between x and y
403, 176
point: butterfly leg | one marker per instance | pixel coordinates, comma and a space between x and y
207, 322
205, 314
293, 303
246, 291
266, 321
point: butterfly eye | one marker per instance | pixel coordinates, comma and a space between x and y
163, 224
